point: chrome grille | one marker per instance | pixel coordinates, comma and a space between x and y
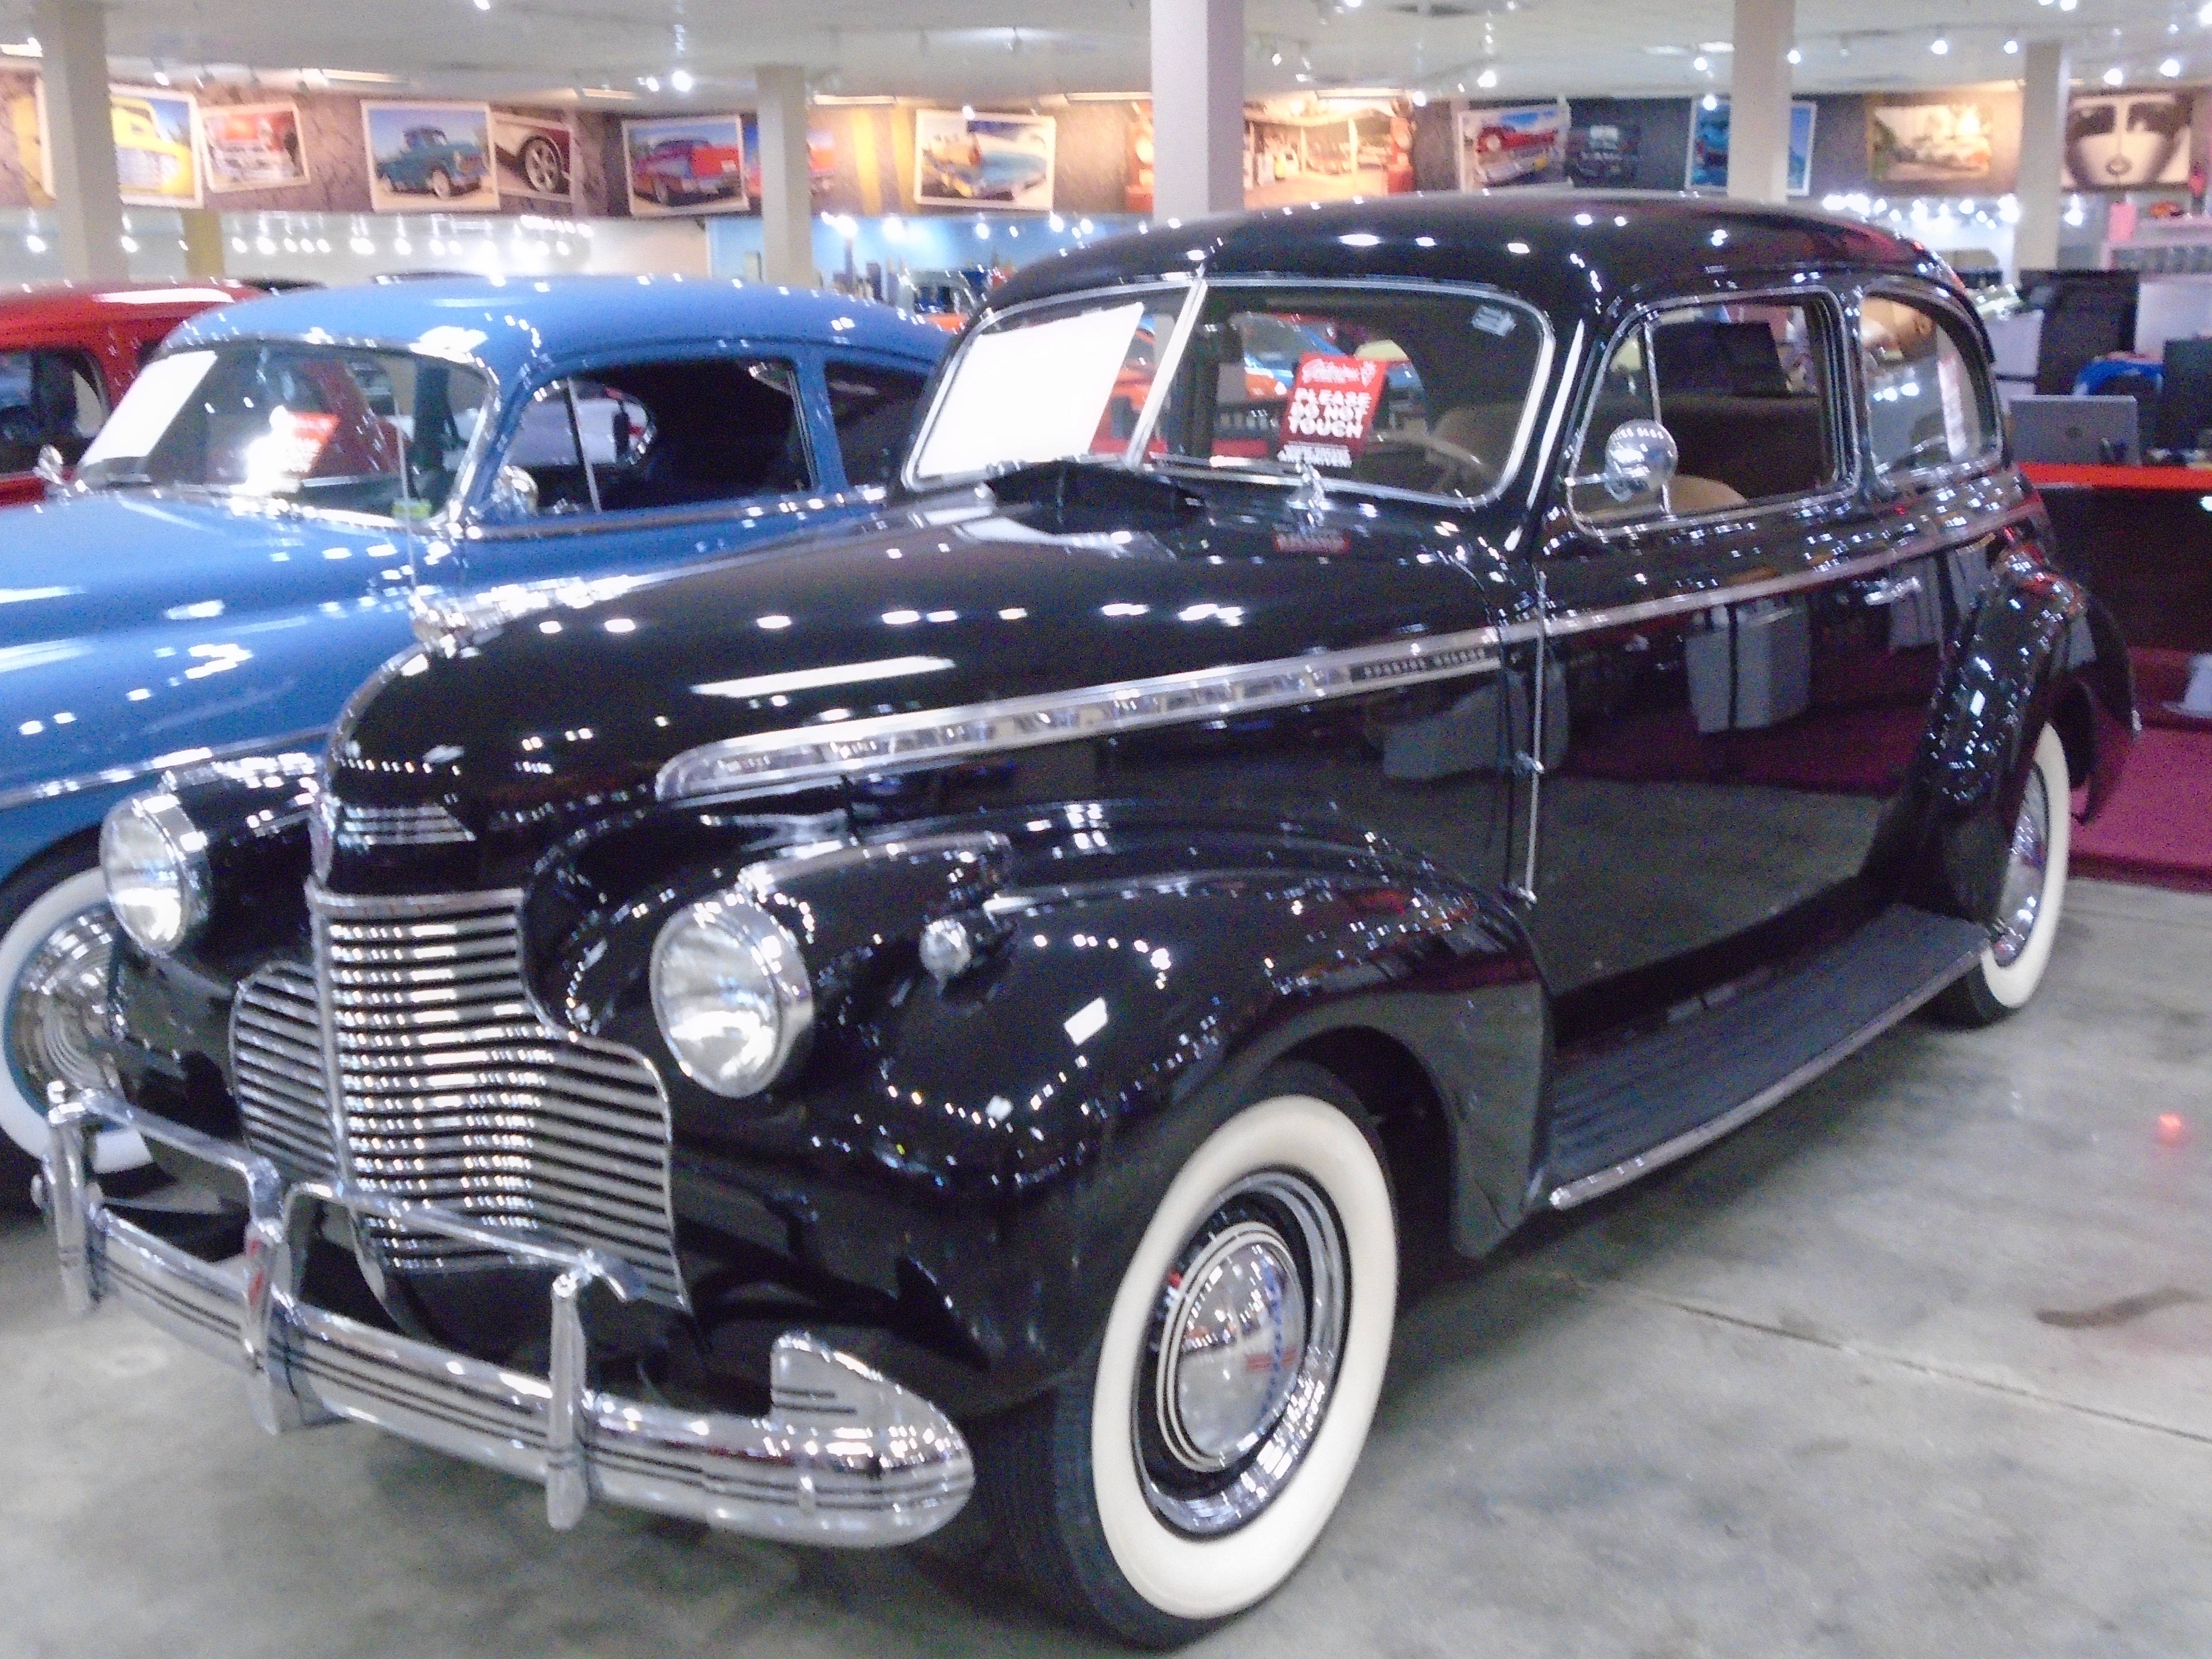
277, 1057
423, 824
453, 1092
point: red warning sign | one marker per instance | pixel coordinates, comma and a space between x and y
1332, 409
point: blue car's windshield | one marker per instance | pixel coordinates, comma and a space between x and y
379, 433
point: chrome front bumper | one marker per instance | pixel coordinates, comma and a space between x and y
844, 1457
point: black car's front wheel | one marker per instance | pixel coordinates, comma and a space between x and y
1185, 1471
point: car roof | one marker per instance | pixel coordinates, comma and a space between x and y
514, 325
37, 305
1572, 252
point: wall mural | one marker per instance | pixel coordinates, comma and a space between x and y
983, 160
157, 146
429, 156
686, 165
253, 147
1525, 144
1962, 139
2128, 140
1709, 146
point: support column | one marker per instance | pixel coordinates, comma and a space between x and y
1198, 107
88, 202
786, 201
2042, 157
204, 248
1759, 99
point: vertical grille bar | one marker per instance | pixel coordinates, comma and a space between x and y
440, 1084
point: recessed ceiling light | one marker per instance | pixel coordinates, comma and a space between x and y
680, 79
1488, 78
2012, 48
2114, 75
1796, 56
2170, 68
1941, 45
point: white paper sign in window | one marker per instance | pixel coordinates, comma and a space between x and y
147, 408
1029, 394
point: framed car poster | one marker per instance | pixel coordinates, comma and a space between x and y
684, 165
1962, 138
966, 161
535, 154
429, 156
2128, 140
26, 117
157, 146
1526, 144
253, 146
1709, 145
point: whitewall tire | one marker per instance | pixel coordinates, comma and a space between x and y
2032, 898
55, 933
1190, 1470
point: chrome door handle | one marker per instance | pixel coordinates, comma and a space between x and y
1893, 590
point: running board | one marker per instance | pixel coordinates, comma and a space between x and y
1665, 1096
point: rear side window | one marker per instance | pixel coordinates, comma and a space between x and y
872, 408
672, 433
1742, 388
1927, 396
47, 397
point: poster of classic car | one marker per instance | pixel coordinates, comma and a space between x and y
253, 146
1967, 138
686, 164
1709, 145
535, 154
2128, 140
963, 159
156, 146
1525, 145
438, 151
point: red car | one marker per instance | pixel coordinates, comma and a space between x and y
67, 351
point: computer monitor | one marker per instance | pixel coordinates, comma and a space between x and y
2184, 401
2079, 431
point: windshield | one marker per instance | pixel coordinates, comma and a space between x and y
1415, 389
381, 433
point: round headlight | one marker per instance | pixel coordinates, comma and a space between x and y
730, 992
154, 862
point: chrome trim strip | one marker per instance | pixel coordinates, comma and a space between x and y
736, 509
804, 754
114, 776
1606, 1180
843, 1457
888, 741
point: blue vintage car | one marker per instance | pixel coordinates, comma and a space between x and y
289, 476
429, 162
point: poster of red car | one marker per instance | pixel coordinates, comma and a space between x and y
253, 146
1525, 144
685, 165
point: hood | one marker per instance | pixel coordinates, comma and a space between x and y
111, 559
942, 607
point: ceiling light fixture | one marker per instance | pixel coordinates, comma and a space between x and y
29, 48
1701, 64
680, 79
1488, 79
1710, 101
1941, 45
2170, 68
2114, 75
1796, 56
2012, 48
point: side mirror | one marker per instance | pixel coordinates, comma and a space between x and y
53, 470
513, 497
1640, 458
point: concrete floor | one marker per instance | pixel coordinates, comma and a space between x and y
1918, 1365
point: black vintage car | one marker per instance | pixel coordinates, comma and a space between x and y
993, 997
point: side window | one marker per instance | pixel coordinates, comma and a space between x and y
1928, 397
681, 433
873, 409
1742, 389
47, 397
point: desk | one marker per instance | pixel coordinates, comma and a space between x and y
2139, 538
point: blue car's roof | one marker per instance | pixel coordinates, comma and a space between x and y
512, 324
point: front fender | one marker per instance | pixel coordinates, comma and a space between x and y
2037, 649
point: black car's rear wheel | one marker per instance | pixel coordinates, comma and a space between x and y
2028, 904
1187, 1468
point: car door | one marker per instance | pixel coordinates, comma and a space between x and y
653, 459
1702, 813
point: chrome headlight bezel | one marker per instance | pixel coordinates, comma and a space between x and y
125, 870
751, 944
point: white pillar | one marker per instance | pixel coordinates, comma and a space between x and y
1759, 99
1198, 107
787, 205
73, 34
2042, 157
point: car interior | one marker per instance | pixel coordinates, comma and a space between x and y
46, 397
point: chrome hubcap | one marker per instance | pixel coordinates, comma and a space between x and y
56, 1005
2021, 901
1242, 1354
